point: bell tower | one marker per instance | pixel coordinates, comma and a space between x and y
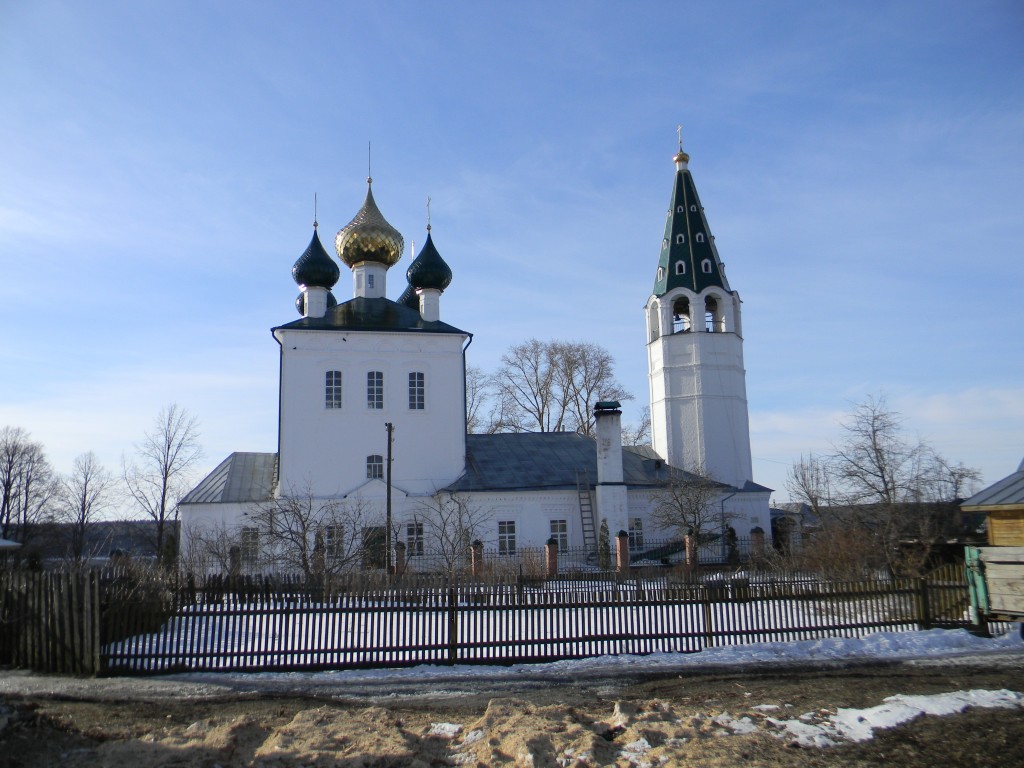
695, 347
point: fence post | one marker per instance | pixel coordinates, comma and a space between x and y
551, 558
924, 609
709, 636
477, 558
622, 552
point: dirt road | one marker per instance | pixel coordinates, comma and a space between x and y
707, 717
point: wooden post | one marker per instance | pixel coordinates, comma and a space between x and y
622, 552
477, 558
551, 558
924, 612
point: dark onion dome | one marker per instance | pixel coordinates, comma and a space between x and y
428, 269
300, 302
369, 237
315, 268
409, 298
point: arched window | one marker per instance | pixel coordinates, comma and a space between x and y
680, 239
700, 237
705, 266
375, 466
417, 391
680, 267
693, 208
714, 319
661, 274
681, 321
679, 209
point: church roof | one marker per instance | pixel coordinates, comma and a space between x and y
689, 258
369, 236
240, 477
314, 267
524, 461
363, 314
428, 269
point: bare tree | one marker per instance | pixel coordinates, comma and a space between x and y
691, 503
27, 484
892, 490
639, 433
84, 494
160, 475
552, 386
317, 537
810, 482
477, 397
451, 522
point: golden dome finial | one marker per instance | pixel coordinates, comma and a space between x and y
680, 157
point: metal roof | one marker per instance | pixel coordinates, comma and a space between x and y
547, 461
363, 314
1008, 492
240, 477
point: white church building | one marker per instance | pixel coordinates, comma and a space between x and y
374, 378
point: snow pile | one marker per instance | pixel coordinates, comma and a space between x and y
818, 730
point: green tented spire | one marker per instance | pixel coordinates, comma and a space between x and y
689, 258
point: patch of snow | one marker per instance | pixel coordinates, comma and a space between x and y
445, 730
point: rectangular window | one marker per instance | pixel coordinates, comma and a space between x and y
375, 390
636, 533
332, 389
369, 281
375, 467
417, 390
250, 548
560, 533
414, 539
334, 546
506, 537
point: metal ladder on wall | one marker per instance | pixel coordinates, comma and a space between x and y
586, 512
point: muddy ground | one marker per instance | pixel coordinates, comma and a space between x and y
710, 717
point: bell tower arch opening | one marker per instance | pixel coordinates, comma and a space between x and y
682, 320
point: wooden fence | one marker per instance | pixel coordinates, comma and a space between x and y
81, 624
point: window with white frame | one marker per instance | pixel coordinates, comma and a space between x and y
250, 547
375, 466
414, 539
506, 537
680, 239
417, 391
334, 546
375, 390
560, 533
636, 533
332, 389
705, 266
700, 237
680, 267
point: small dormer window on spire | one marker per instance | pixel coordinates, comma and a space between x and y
705, 266
680, 267
680, 239
700, 237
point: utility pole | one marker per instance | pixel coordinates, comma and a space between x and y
387, 541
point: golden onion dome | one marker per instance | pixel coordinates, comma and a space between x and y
369, 237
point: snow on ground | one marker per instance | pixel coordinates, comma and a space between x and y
881, 646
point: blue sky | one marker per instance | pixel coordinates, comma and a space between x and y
861, 166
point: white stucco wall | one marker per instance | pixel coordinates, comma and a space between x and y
325, 449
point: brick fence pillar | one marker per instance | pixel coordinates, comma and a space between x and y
551, 558
400, 561
690, 544
477, 558
622, 552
